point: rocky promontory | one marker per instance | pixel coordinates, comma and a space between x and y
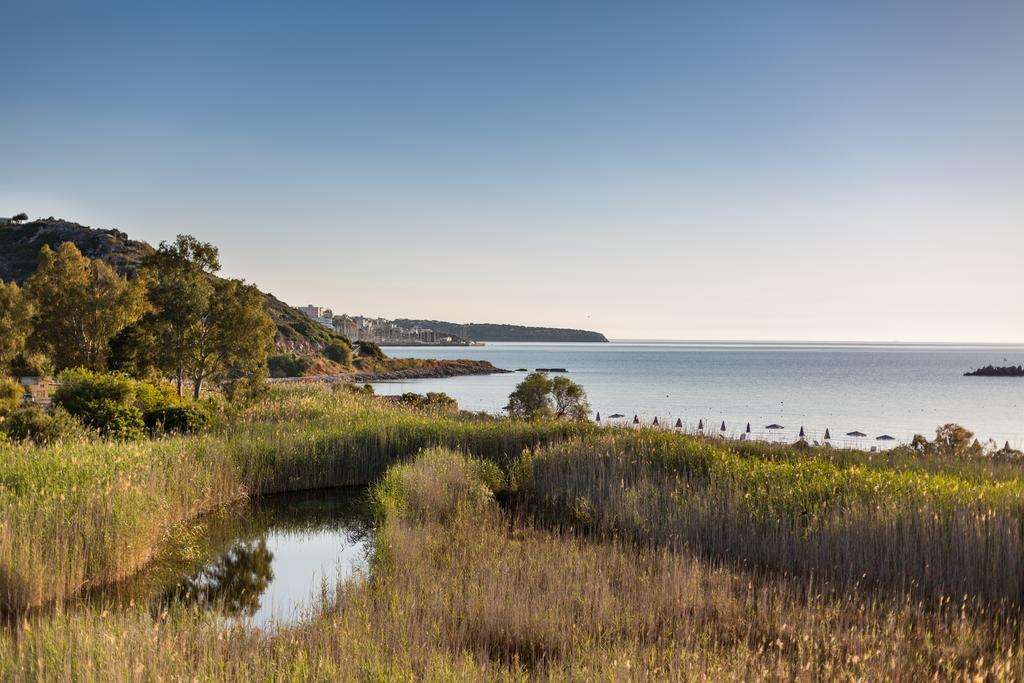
997, 371
404, 368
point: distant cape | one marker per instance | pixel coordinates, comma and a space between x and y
494, 332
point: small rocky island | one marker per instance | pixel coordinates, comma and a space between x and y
994, 371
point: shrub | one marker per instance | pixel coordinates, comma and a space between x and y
179, 419
112, 403
151, 397
368, 349
31, 424
116, 420
352, 388
435, 401
81, 390
11, 394
288, 365
339, 353
31, 365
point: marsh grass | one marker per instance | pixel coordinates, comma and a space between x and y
74, 516
463, 591
919, 533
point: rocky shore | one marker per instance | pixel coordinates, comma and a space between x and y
993, 371
402, 369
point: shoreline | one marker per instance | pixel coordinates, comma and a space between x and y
434, 369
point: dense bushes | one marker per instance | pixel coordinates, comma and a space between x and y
288, 365
368, 349
434, 401
30, 424
124, 408
10, 395
339, 353
179, 419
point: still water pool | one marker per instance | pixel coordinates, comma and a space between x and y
266, 561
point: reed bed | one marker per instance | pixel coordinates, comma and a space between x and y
463, 591
918, 534
74, 516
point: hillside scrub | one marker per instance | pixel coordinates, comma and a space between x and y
475, 594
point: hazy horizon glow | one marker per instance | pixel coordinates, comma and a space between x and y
761, 171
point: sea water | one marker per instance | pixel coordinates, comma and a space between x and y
894, 389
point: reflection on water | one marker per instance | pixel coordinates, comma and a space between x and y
234, 583
264, 561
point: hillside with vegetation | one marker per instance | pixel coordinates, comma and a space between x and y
494, 332
19, 254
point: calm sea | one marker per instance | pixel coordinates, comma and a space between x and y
895, 389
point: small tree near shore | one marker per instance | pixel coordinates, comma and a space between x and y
537, 397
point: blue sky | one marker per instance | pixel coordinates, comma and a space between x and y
651, 170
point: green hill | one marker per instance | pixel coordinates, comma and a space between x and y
493, 332
19, 251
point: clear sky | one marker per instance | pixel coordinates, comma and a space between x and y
762, 170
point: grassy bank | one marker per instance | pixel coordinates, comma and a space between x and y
461, 591
915, 529
84, 514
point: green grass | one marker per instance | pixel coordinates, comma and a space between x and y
74, 516
928, 533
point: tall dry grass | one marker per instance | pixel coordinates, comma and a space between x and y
79, 515
463, 592
920, 534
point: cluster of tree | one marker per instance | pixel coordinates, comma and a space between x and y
432, 401
19, 218
540, 397
954, 441
174, 320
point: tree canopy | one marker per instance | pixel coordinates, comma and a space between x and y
538, 397
202, 328
15, 321
80, 304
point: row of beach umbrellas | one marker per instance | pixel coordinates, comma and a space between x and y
772, 427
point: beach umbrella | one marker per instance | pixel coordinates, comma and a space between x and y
856, 434
827, 435
885, 437
636, 420
1007, 446
700, 426
616, 415
598, 416
748, 428
774, 426
802, 435
655, 423
679, 425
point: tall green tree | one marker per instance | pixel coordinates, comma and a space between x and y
202, 328
15, 322
233, 344
180, 291
80, 304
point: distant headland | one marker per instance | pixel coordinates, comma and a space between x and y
493, 332
994, 371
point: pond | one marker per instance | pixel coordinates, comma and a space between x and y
265, 561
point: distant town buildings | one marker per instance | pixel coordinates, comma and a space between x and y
378, 330
324, 316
